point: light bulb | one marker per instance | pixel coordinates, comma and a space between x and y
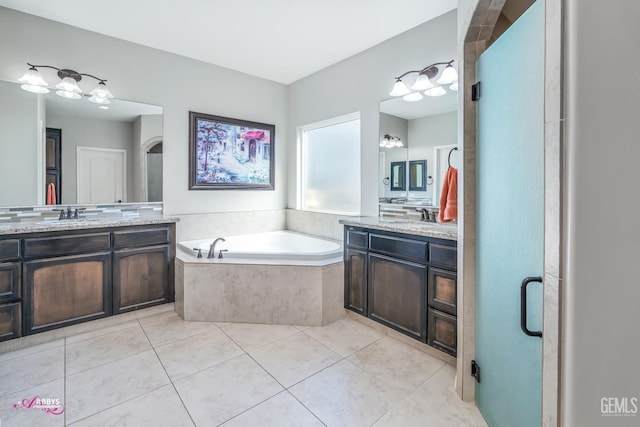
436, 91
101, 91
67, 94
412, 97
422, 83
449, 75
399, 89
69, 85
35, 89
32, 78
98, 100
454, 86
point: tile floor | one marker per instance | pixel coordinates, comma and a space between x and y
162, 371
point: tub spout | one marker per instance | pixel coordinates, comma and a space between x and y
212, 248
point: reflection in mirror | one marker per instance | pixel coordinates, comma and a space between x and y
397, 176
422, 126
417, 175
77, 151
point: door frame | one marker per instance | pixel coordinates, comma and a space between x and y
144, 147
473, 42
85, 149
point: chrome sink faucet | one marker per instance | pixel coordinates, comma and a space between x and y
212, 248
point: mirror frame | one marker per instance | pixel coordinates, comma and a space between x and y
402, 172
413, 167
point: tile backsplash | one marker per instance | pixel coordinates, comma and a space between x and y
102, 211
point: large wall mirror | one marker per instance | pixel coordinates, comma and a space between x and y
89, 154
425, 128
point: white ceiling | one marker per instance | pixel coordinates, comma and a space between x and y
280, 40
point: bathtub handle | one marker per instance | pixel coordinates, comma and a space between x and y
220, 253
199, 252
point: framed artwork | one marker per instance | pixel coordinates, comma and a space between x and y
230, 154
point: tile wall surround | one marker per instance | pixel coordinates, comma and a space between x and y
212, 225
316, 223
300, 295
19, 214
405, 211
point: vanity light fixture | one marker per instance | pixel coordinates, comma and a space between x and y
68, 85
389, 141
423, 82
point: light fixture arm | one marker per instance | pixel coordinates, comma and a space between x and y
63, 72
430, 70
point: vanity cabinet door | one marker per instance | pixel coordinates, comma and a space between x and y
140, 277
355, 290
10, 321
10, 281
62, 291
397, 294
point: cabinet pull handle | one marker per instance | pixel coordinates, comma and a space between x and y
523, 306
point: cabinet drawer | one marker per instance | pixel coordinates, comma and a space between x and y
9, 249
357, 239
10, 321
9, 281
154, 236
442, 293
399, 247
443, 333
445, 255
66, 245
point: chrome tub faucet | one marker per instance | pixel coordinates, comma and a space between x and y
212, 248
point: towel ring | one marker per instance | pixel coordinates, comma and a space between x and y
449, 158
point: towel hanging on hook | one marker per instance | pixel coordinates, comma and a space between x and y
449, 158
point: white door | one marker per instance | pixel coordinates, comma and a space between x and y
102, 175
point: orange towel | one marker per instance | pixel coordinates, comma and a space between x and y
449, 197
51, 194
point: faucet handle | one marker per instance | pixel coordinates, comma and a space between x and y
220, 253
61, 216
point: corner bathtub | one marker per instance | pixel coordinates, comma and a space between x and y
277, 246
279, 277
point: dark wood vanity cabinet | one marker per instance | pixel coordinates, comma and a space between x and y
355, 290
67, 277
397, 294
10, 289
140, 278
142, 266
408, 283
64, 290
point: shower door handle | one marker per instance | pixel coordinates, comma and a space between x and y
523, 306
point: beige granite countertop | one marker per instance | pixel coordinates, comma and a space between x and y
79, 224
447, 231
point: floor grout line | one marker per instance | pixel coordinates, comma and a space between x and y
168, 376
338, 343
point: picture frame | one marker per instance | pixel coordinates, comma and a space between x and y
230, 154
